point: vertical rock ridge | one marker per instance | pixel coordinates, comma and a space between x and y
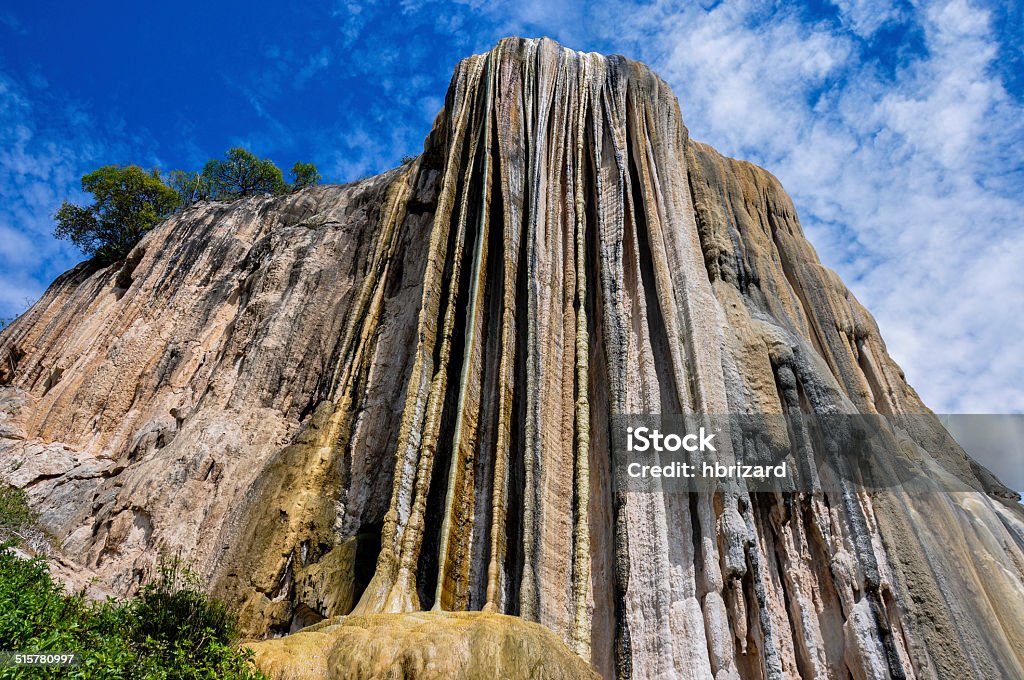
581, 573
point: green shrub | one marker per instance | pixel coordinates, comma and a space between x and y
170, 631
177, 622
15, 514
304, 175
191, 187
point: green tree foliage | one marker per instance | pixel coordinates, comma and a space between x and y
304, 175
170, 631
242, 174
128, 201
191, 187
15, 514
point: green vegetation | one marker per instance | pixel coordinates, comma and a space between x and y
15, 515
304, 175
241, 174
18, 522
191, 187
129, 201
170, 631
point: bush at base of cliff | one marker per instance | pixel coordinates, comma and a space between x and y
14, 511
170, 631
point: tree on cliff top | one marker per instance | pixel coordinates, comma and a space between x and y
191, 187
128, 202
241, 174
305, 175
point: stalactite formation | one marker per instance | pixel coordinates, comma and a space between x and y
396, 397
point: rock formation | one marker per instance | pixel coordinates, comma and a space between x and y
394, 397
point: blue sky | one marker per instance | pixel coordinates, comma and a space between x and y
897, 127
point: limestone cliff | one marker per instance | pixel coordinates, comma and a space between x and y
395, 396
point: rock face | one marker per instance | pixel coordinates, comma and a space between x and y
395, 396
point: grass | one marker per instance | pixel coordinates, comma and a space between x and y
171, 630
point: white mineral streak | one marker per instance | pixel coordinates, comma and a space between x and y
396, 396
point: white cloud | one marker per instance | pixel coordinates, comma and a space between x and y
40, 165
904, 161
865, 17
907, 180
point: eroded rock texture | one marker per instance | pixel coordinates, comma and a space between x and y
395, 396
470, 645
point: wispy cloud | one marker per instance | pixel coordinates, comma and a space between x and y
896, 130
866, 17
12, 23
909, 184
45, 146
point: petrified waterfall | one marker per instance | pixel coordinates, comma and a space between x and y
396, 396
